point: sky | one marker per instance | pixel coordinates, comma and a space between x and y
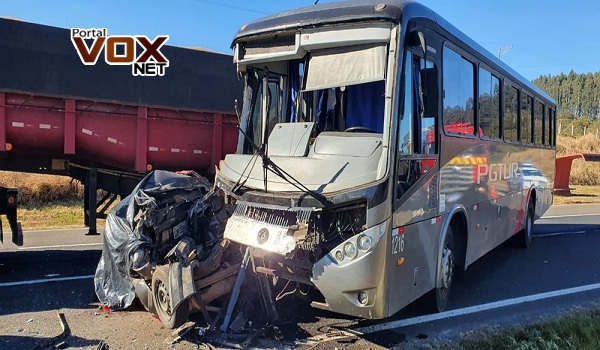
548, 37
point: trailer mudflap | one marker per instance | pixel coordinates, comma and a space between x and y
8, 207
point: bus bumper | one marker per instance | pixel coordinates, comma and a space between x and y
355, 285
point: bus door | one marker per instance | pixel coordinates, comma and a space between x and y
415, 225
417, 151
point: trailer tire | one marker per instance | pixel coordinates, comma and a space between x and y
160, 293
437, 299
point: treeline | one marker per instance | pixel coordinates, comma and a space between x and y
576, 95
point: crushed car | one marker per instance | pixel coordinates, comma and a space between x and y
164, 245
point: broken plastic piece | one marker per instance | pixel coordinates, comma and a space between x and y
238, 323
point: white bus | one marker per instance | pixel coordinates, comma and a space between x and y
381, 152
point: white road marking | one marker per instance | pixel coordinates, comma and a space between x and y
61, 246
475, 309
60, 229
566, 216
45, 280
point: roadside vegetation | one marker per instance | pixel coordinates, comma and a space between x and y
578, 331
582, 173
46, 201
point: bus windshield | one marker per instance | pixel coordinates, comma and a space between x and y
320, 118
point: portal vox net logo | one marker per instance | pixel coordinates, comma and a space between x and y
122, 50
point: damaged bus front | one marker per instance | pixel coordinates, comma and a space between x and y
310, 178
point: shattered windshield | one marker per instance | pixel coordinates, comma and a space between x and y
339, 89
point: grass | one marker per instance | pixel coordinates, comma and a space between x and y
582, 173
39, 189
54, 215
46, 201
580, 195
579, 330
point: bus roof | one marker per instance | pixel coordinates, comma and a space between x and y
370, 10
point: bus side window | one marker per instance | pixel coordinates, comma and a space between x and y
459, 89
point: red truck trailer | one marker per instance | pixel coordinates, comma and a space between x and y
103, 126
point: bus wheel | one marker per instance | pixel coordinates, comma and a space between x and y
527, 231
437, 299
170, 318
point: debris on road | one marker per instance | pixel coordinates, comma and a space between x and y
57, 342
178, 334
102, 346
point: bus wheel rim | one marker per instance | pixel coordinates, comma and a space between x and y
447, 267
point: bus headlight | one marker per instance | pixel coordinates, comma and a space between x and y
364, 242
339, 256
350, 250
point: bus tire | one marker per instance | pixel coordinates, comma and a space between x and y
527, 231
437, 299
160, 293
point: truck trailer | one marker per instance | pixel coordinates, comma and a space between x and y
103, 126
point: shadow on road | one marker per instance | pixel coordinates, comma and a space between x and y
25, 342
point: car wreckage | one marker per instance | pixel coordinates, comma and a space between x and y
163, 244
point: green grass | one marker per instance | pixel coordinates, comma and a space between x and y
580, 195
579, 330
56, 215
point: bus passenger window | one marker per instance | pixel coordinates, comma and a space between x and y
458, 94
511, 111
547, 127
538, 123
526, 122
489, 104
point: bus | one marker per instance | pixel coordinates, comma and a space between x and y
381, 152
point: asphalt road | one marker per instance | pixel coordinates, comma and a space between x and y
508, 286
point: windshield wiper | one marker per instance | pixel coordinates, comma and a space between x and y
268, 164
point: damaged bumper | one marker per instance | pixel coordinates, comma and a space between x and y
351, 276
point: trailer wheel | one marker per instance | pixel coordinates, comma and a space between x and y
527, 231
437, 299
160, 292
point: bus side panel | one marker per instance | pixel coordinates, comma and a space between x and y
486, 227
412, 266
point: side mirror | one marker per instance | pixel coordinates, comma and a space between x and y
429, 81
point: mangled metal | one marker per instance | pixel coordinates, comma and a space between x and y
164, 244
